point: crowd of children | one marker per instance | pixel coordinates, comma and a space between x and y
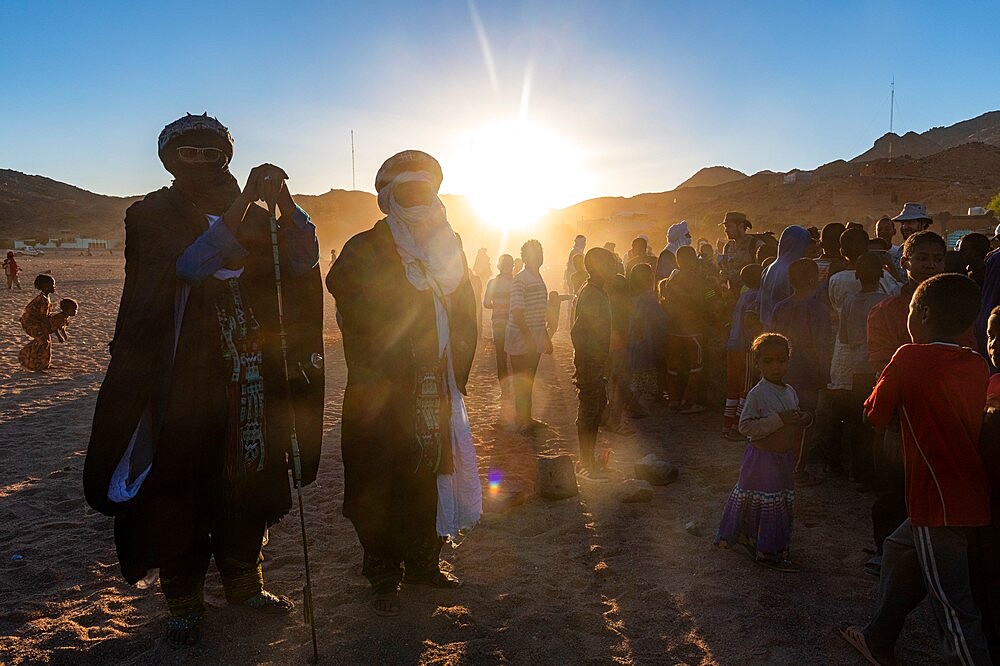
844, 355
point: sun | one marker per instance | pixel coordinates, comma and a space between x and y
514, 172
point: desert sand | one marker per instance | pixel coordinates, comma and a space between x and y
587, 580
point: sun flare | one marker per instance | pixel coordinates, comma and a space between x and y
514, 172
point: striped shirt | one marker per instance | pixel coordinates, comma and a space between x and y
529, 294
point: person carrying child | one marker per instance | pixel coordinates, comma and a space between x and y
938, 390
37, 354
804, 319
591, 335
10, 270
740, 375
758, 513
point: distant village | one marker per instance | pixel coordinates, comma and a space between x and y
64, 241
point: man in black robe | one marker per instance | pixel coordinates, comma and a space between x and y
408, 315
191, 435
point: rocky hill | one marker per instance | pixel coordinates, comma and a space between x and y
982, 129
951, 178
35, 207
712, 176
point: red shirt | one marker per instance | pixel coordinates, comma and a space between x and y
887, 330
939, 391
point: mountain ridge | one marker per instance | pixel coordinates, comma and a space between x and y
949, 178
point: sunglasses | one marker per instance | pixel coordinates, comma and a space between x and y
200, 155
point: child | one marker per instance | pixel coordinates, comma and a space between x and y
10, 270
591, 335
758, 513
853, 332
805, 320
938, 390
57, 322
922, 258
739, 361
37, 354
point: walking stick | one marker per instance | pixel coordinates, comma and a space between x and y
307, 602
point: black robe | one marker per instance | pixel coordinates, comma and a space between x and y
186, 391
386, 324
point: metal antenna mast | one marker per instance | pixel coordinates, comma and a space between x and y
892, 109
354, 183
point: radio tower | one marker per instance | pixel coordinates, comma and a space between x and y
354, 184
892, 108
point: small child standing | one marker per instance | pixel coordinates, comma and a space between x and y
758, 513
938, 389
10, 270
591, 335
740, 375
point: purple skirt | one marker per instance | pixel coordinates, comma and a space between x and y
758, 513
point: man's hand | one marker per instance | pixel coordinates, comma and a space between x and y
267, 182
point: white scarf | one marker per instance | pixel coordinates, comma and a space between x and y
432, 257
425, 241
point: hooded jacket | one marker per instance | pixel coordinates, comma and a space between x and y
775, 285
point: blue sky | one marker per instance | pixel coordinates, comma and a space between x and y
644, 92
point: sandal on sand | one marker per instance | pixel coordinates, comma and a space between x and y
268, 603
437, 578
856, 638
386, 604
184, 630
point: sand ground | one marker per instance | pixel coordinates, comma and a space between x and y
584, 580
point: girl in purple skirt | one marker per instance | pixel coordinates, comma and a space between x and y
758, 514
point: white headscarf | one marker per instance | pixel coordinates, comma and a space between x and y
425, 241
678, 236
433, 259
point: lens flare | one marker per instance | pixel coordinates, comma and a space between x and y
514, 172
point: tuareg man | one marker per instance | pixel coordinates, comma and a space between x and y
191, 436
678, 236
408, 316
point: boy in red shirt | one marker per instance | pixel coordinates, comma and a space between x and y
947, 492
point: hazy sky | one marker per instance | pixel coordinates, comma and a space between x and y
634, 96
